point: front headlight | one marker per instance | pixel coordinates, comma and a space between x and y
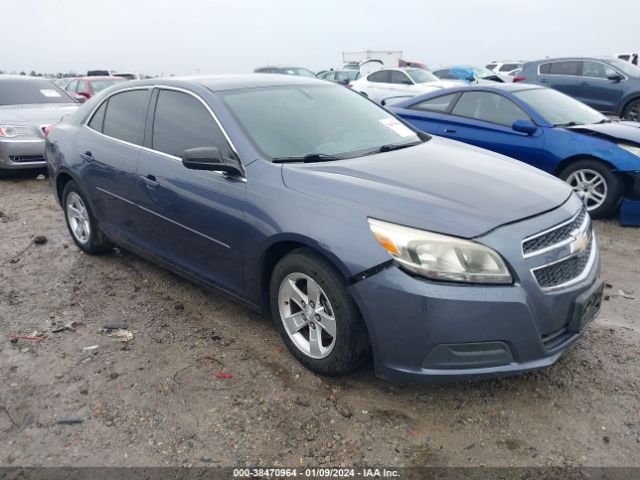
440, 257
630, 148
12, 131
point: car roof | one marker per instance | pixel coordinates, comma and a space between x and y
217, 83
561, 59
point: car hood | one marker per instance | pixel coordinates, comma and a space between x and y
626, 131
36, 115
441, 186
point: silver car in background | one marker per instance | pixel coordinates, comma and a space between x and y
27, 106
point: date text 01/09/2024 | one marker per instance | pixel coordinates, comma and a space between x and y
315, 473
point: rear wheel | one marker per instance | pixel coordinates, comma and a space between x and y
599, 188
316, 317
632, 111
82, 222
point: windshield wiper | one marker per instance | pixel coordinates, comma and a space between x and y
569, 124
308, 158
393, 146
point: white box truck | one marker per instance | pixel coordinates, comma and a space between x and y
389, 58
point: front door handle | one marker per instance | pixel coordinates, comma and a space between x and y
150, 181
584, 84
449, 130
544, 80
86, 156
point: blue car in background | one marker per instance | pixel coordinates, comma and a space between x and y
468, 74
609, 85
598, 157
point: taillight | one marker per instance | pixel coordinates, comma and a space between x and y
518, 78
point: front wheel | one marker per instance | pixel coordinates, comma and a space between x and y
632, 111
316, 317
599, 188
82, 222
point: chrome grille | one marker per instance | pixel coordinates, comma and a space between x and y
563, 271
557, 235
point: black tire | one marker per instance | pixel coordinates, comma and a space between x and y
631, 111
351, 346
614, 185
96, 242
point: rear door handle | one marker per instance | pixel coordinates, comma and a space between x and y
150, 181
449, 130
87, 156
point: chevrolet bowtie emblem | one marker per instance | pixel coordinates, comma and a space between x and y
580, 244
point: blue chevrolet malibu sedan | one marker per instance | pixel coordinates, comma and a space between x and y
361, 235
598, 157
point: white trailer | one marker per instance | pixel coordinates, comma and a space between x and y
389, 58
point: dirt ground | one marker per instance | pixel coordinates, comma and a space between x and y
156, 399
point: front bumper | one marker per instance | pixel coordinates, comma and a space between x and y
436, 332
20, 154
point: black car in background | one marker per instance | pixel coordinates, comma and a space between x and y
609, 85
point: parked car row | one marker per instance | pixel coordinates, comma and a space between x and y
363, 236
394, 82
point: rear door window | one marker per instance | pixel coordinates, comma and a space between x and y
125, 116
182, 122
565, 68
399, 78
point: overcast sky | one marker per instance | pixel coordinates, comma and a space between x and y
231, 36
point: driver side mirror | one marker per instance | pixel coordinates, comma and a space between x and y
524, 126
210, 158
614, 76
80, 98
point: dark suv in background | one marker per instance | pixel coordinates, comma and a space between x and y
609, 85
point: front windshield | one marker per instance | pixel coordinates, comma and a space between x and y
99, 85
627, 68
295, 121
301, 72
421, 76
27, 91
558, 108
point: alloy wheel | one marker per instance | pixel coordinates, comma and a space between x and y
590, 186
78, 218
632, 113
307, 315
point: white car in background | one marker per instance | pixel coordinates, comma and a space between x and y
505, 68
394, 82
631, 57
